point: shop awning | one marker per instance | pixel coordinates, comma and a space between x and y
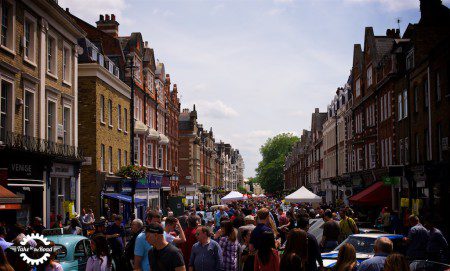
377, 194
124, 198
9, 200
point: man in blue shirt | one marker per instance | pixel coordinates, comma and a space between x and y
437, 247
220, 213
206, 254
417, 240
263, 218
382, 248
142, 247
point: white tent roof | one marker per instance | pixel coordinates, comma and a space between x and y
254, 196
303, 195
233, 195
261, 196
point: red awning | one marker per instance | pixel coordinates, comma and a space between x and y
377, 194
9, 200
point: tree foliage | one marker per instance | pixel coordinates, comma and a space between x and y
269, 173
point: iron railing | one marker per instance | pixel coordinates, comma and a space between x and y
32, 144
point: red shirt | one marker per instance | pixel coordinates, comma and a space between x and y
272, 265
186, 247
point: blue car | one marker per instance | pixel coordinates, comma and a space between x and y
363, 244
73, 251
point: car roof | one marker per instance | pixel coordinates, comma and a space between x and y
66, 239
378, 235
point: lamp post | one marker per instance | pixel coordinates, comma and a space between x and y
130, 65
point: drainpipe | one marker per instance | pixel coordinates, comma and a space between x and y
430, 149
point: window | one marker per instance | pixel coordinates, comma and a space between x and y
416, 99
7, 29
390, 151
358, 88
360, 159
29, 38
110, 159
28, 114
401, 151
102, 108
400, 108
6, 108
102, 157
427, 144
438, 87
119, 117
51, 55
125, 158
425, 92
405, 103
369, 76
110, 111
388, 104
66, 125
410, 60
137, 70
149, 155
382, 153
119, 159
125, 119
51, 120
160, 157
372, 155
67, 57
137, 149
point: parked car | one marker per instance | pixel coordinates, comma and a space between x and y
363, 244
316, 228
73, 251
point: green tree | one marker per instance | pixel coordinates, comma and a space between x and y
269, 173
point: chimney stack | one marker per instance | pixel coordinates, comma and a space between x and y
108, 24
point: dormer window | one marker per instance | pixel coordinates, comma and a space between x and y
369, 76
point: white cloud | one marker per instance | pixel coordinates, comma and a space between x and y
160, 12
391, 5
215, 109
275, 11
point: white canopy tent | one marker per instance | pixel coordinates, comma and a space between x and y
262, 196
303, 195
254, 196
232, 196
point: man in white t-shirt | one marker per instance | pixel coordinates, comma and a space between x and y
172, 226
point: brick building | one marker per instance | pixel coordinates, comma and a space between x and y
39, 155
315, 152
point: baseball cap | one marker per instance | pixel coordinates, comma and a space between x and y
154, 228
249, 218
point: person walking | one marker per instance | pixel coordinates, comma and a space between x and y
267, 257
4, 264
314, 256
163, 256
295, 254
347, 225
173, 225
142, 247
417, 240
249, 225
437, 246
246, 259
396, 262
115, 234
74, 228
262, 217
189, 233
101, 259
346, 260
206, 254
136, 228
230, 246
382, 248
331, 232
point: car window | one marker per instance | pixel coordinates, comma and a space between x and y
87, 245
61, 252
361, 244
80, 251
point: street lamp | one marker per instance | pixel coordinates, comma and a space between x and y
130, 65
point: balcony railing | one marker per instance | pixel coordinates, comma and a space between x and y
22, 142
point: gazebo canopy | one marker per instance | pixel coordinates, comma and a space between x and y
303, 195
232, 196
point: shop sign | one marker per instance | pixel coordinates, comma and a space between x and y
60, 130
62, 170
152, 181
87, 161
391, 180
25, 170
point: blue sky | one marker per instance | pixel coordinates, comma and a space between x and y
253, 68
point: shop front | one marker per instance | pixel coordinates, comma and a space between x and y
63, 193
115, 203
148, 189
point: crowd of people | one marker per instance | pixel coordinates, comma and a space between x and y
239, 236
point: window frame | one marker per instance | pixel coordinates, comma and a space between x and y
119, 159
137, 149
11, 28
54, 100
102, 157
125, 120
110, 160
369, 74
67, 67
65, 132
160, 158
33, 39
10, 104
150, 155
53, 71
32, 112
102, 109
110, 113
119, 117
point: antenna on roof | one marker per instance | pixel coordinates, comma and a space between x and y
398, 19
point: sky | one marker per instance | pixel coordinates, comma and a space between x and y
253, 68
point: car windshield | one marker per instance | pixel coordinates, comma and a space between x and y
361, 244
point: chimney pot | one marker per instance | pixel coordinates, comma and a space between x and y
107, 17
146, 44
67, 10
102, 18
113, 17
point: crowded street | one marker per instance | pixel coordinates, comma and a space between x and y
224, 135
